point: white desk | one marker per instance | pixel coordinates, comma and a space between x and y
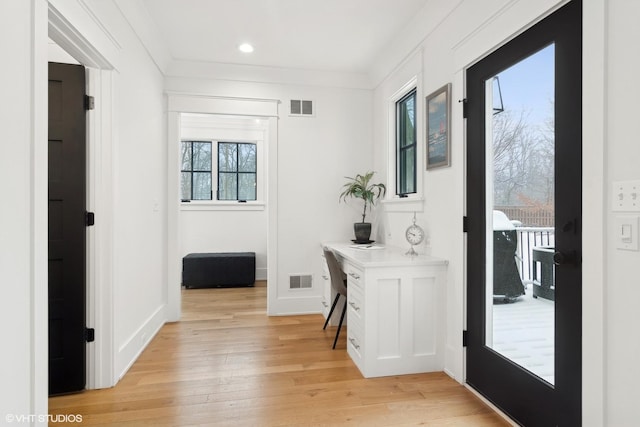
396, 310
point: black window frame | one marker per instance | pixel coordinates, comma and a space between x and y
192, 171
237, 172
401, 132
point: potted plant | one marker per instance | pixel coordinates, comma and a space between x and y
360, 187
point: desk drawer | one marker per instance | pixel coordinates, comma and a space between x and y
355, 276
325, 305
355, 329
355, 301
326, 289
355, 340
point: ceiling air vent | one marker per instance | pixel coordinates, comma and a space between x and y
301, 108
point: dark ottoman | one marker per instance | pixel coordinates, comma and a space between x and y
205, 270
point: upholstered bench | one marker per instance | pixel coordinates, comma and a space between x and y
204, 270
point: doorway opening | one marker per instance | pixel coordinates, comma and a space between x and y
211, 120
67, 45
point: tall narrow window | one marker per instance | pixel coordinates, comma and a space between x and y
406, 144
195, 182
236, 171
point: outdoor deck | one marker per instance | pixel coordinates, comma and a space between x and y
523, 331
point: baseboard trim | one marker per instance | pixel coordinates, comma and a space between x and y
129, 352
261, 274
453, 362
292, 306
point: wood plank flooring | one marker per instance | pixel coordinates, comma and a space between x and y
228, 364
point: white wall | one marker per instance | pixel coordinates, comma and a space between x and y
139, 221
622, 163
314, 154
23, 235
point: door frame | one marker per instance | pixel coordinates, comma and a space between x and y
178, 103
101, 353
514, 54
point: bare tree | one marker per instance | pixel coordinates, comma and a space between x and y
523, 160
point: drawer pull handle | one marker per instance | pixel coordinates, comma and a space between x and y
354, 343
355, 307
325, 304
354, 275
325, 277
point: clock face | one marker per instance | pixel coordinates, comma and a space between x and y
414, 234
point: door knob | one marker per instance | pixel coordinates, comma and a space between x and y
571, 226
569, 258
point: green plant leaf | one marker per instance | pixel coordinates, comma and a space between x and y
359, 187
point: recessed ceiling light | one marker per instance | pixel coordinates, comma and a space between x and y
246, 48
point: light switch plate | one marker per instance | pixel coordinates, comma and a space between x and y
626, 232
625, 196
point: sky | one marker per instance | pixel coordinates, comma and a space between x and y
529, 85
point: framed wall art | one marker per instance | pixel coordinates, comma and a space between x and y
438, 126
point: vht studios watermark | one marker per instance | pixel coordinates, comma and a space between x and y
41, 418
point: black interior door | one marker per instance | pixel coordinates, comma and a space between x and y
67, 178
524, 296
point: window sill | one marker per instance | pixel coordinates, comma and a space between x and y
403, 204
222, 206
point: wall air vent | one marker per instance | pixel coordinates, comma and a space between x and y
301, 108
300, 281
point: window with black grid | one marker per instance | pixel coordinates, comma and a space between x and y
237, 171
406, 144
195, 180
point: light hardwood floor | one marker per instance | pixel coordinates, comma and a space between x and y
228, 364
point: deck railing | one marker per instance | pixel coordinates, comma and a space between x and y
532, 216
528, 238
